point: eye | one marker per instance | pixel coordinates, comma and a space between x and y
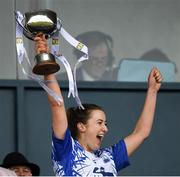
102, 123
26, 170
15, 170
99, 123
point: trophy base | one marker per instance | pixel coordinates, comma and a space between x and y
45, 64
46, 68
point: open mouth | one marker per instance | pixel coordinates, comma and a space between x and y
100, 137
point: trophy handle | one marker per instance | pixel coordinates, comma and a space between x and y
45, 64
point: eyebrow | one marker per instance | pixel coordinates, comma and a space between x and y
23, 167
101, 120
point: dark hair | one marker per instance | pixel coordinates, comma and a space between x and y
76, 115
93, 39
16, 158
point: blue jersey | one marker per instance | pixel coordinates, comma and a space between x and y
70, 159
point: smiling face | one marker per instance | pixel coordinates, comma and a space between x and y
21, 170
92, 133
98, 61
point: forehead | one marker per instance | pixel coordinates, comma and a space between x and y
101, 48
19, 167
97, 115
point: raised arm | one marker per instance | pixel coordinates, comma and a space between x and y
59, 119
144, 124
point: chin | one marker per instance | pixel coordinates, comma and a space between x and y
97, 147
97, 75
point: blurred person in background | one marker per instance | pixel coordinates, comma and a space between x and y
100, 66
18, 163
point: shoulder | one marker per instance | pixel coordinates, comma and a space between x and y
6, 172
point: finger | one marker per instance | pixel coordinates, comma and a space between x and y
39, 41
156, 71
40, 37
159, 79
37, 38
41, 47
41, 44
157, 75
41, 50
153, 72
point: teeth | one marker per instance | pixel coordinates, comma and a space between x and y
100, 136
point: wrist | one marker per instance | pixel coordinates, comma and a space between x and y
151, 91
50, 81
49, 77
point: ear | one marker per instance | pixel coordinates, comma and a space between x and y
81, 127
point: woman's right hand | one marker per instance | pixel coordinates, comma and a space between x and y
41, 44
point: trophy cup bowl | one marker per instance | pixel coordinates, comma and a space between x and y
42, 22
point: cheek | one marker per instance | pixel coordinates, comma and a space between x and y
92, 129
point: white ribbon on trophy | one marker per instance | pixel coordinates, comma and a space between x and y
21, 54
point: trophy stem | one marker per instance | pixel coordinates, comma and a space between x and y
45, 64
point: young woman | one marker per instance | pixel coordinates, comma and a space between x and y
78, 133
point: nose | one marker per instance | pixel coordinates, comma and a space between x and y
22, 172
19, 173
105, 129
